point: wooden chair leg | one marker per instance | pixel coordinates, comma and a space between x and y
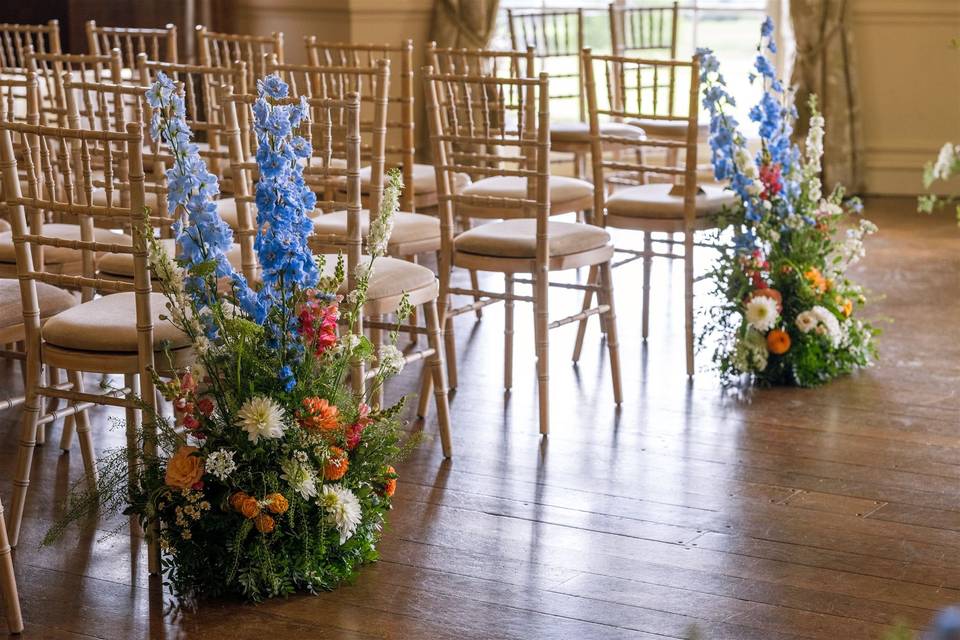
132, 382
450, 348
438, 375
647, 263
426, 388
474, 278
541, 311
605, 296
688, 297
376, 337
508, 333
28, 441
21, 347
83, 432
582, 325
8, 581
413, 314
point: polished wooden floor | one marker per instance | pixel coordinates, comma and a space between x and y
783, 513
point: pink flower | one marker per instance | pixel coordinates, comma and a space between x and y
187, 383
190, 422
205, 405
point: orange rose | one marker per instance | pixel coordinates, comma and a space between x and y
249, 507
264, 523
319, 415
773, 294
236, 500
337, 464
778, 341
847, 307
276, 503
184, 469
390, 486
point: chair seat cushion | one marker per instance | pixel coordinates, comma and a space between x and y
150, 199
655, 201
424, 179
518, 238
669, 129
562, 188
121, 264
110, 324
580, 131
61, 255
391, 277
4, 225
51, 301
407, 227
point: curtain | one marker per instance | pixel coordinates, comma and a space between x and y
464, 23
825, 66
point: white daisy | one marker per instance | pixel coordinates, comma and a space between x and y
807, 321
261, 417
343, 509
300, 476
762, 313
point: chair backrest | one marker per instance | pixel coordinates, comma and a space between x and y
19, 98
481, 62
372, 84
472, 132
636, 29
17, 39
226, 50
157, 44
51, 68
629, 92
557, 38
42, 168
202, 85
106, 106
333, 131
400, 150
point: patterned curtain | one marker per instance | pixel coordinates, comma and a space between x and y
825, 66
464, 23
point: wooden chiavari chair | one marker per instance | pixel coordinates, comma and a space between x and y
201, 87
226, 50
557, 38
17, 39
470, 112
335, 135
685, 207
157, 44
51, 68
115, 334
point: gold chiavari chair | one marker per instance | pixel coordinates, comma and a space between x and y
51, 68
335, 135
157, 44
557, 38
201, 87
8, 581
225, 50
17, 39
685, 207
115, 334
468, 114
413, 233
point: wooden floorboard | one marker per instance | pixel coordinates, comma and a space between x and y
746, 514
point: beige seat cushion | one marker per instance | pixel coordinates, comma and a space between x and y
669, 129
52, 300
580, 131
227, 208
110, 324
391, 276
562, 188
407, 227
61, 255
518, 239
655, 201
152, 200
121, 264
424, 179
4, 225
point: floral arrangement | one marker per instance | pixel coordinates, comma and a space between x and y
787, 314
272, 476
946, 167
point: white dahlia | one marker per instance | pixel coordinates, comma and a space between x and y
343, 509
762, 313
806, 321
261, 417
300, 477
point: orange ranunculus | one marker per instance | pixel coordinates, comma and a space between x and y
778, 341
264, 523
773, 294
318, 415
337, 464
276, 503
184, 469
816, 279
236, 500
390, 486
847, 307
250, 508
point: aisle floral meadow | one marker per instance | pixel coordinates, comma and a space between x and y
787, 311
273, 477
